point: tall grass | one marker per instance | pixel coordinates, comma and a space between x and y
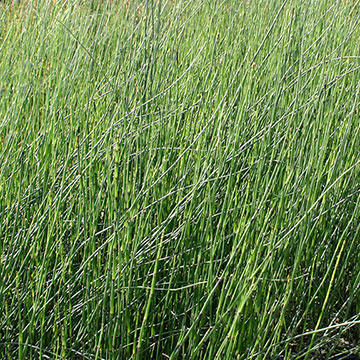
179, 179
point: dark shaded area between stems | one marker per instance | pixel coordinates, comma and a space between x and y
346, 356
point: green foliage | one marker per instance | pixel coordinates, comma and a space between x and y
179, 179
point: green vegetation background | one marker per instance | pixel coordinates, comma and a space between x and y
179, 179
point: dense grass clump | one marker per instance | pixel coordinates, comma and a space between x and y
179, 179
